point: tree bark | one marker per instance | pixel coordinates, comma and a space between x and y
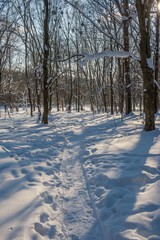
157, 58
45, 63
121, 86
143, 10
126, 61
111, 87
26, 60
0, 86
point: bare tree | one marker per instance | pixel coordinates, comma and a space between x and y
45, 61
144, 9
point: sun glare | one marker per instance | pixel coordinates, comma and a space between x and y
158, 7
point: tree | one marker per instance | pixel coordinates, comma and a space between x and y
126, 61
157, 55
25, 19
144, 9
45, 62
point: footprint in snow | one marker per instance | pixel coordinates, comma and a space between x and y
57, 166
30, 178
99, 192
44, 231
50, 172
54, 206
94, 150
48, 184
13, 155
34, 237
39, 228
15, 173
47, 198
49, 164
44, 217
58, 184
24, 171
24, 163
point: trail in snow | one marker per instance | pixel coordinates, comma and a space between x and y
77, 214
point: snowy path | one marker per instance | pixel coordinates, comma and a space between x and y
82, 177
77, 216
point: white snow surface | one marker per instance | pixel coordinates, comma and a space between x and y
82, 177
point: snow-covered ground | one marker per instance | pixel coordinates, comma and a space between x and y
82, 177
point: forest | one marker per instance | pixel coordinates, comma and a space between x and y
79, 120
45, 47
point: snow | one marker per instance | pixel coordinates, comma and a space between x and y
129, 85
116, 54
46, 48
157, 84
150, 63
82, 177
146, 22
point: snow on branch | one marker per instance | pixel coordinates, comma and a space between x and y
116, 54
157, 84
54, 78
38, 67
103, 87
150, 63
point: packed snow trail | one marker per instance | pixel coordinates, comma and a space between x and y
78, 215
79, 212
82, 177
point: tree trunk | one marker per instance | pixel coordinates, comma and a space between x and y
143, 10
38, 92
57, 68
0, 78
104, 80
26, 62
121, 86
45, 63
111, 90
126, 61
111, 80
71, 85
156, 59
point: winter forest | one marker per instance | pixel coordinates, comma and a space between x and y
79, 119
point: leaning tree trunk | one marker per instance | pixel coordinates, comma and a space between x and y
143, 10
45, 63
